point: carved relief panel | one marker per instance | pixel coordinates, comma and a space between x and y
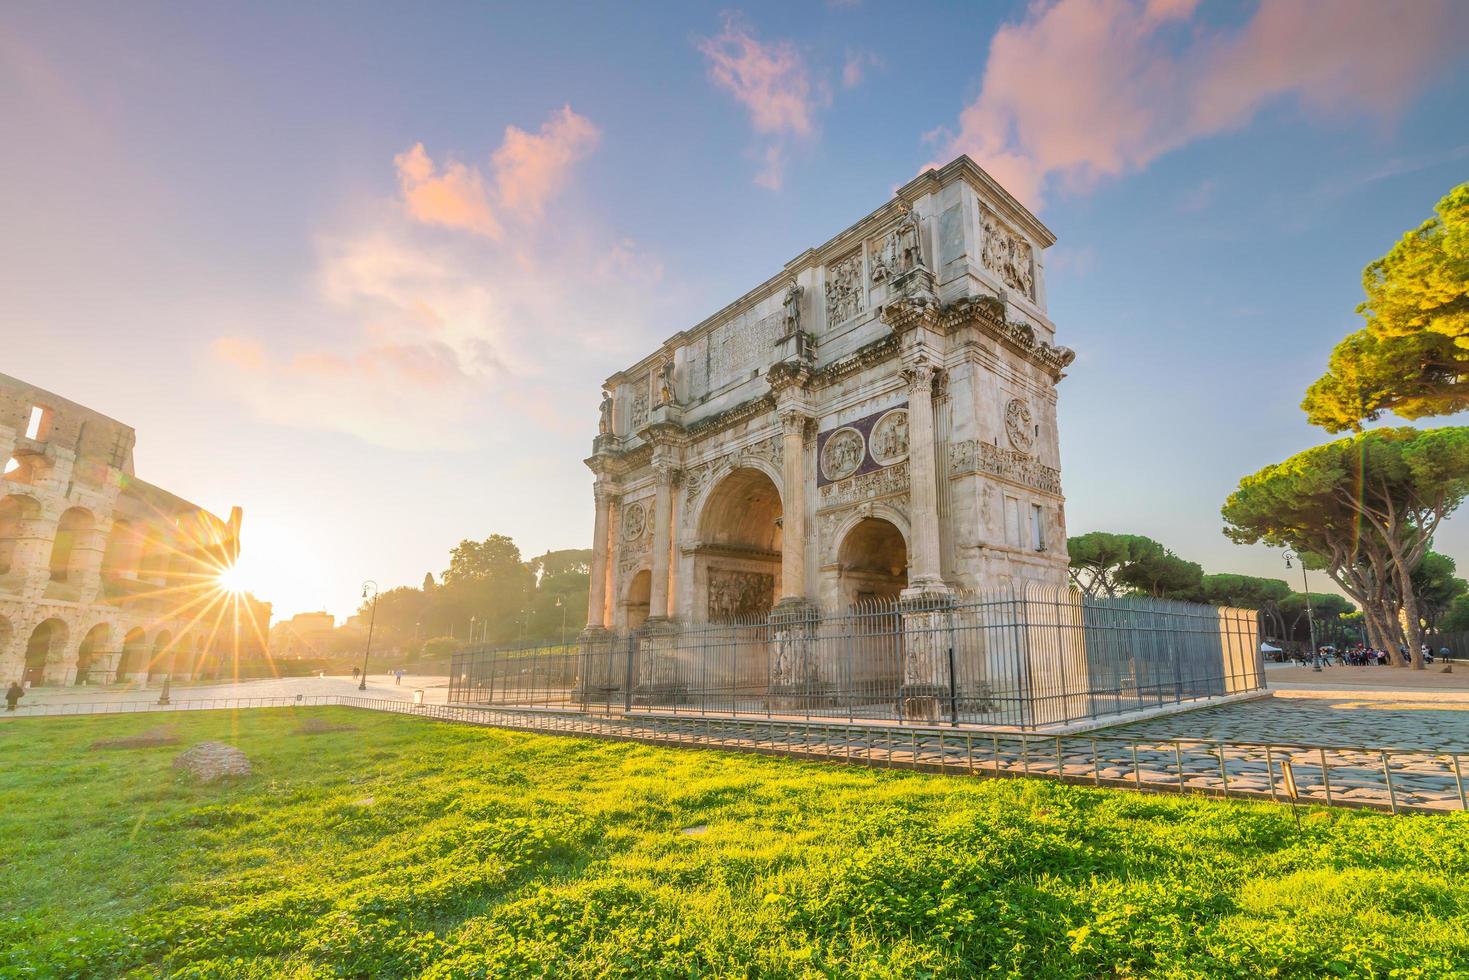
842, 454
889, 441
735, 593
1007, 254
846, 294
638, 416
1019, 425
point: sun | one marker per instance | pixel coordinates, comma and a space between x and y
230, 580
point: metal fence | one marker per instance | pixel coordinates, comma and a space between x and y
1043, 656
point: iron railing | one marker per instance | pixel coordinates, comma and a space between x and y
1018, 660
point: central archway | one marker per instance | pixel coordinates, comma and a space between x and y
739, 552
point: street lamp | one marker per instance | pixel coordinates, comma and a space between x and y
471, 631
372, 619
562, 606
1310, 618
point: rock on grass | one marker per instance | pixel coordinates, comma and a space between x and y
209, 761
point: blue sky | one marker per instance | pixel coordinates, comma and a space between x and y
297, 247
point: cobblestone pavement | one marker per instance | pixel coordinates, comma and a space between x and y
1397, 722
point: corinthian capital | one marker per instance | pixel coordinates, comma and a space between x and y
920, 376
795, 421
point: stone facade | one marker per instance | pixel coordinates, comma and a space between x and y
104, 577
876, 420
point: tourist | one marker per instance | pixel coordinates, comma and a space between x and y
398, 676
14, 694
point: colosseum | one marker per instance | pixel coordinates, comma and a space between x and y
104, 578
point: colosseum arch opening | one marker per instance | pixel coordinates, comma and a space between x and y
124, 551
91, 655
66, 557
46, 653
874, 562
161, 662
738, 554
134, 658
15, 510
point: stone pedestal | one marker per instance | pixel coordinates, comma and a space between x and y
658, 676
926, 690
601, 676
795, 675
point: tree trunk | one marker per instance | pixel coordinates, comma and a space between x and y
1413, 626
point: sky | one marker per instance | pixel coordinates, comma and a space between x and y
360, 268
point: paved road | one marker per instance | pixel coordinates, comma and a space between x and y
435, 690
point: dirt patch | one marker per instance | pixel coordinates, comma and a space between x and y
209, 761
152, 738
320, 726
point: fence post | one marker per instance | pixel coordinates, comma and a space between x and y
953, 688
1392, 796
632, 649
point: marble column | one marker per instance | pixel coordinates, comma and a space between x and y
597, 595
793, 505
662, 528
926, 576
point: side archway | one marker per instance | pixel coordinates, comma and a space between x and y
637, 599
873, 561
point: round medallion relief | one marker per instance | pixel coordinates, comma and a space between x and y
1019, 425
634, 521
842, 454
889, 441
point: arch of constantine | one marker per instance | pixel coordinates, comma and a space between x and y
840, 495
877, 420
104, 577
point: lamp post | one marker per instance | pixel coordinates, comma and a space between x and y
471, 631
562, 606
371, 620
1310, 617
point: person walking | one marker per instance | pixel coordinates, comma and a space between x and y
13, 695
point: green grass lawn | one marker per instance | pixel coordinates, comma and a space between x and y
407, 847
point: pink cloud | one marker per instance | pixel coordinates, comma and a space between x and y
526, 171
854, 70
772, 81
1082, 90
531, 167
455, 198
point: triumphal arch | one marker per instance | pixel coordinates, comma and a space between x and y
877, 420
